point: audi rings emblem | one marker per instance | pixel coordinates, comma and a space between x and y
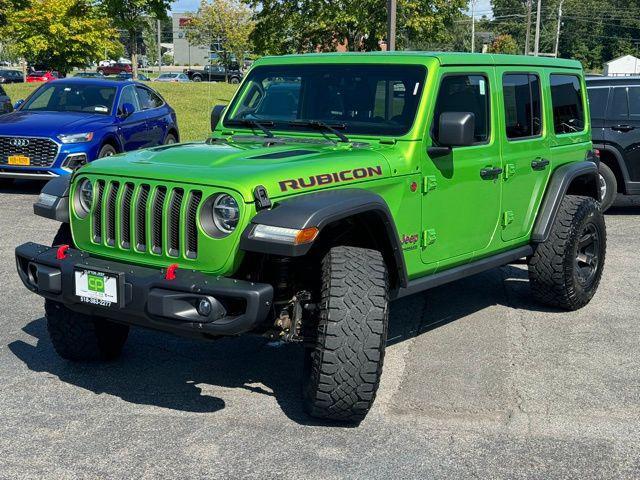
19, 142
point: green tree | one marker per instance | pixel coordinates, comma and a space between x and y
9, 6
227, 23
504, 44
289, 26
61, 34
129, 16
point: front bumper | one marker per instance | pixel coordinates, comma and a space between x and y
146, 298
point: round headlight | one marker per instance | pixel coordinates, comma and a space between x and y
84, 197
225, 213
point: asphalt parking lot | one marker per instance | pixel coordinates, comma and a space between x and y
479, 381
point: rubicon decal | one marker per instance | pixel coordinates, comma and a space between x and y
328, 178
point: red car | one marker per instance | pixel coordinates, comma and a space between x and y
115, 69
42, 76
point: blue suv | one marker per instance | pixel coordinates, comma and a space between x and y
66, 123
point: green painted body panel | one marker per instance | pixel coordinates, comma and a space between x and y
451, 217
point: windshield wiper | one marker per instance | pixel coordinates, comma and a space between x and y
318, 125
254, 124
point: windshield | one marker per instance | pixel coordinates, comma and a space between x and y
357, 99
61, 97
168, 75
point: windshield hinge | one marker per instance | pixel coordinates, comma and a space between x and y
429, 183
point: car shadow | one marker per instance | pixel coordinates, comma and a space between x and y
180, 374
22, 187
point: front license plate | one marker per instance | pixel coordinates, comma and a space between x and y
19, 160
98, 288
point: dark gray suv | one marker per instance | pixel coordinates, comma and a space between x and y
615, 122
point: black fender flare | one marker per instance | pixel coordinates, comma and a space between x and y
319, 210
613, 150
53, 201
561, 180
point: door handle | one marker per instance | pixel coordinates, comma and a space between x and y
623, 128
490, 173
539, 164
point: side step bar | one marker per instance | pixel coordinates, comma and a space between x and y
462, 271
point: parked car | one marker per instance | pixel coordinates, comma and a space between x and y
280, 232
11, 76
172, 77
42, 76
214, 73
129, 76
5, 102
67, 123
115, 68
615, 123
89, 75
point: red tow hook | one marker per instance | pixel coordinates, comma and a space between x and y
171, 272
61, 253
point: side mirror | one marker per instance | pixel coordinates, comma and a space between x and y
18, 103
456, 129
126, 110
216, 115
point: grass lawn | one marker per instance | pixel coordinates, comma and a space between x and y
191, 101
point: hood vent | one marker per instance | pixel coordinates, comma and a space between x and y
285, 154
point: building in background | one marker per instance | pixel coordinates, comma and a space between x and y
184, 53
622, 66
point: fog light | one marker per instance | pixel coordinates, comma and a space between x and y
204, 307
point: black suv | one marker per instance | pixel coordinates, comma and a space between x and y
615, 122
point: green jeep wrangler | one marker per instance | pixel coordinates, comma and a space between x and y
332, 184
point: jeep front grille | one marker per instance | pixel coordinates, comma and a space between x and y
42, 152
146, 219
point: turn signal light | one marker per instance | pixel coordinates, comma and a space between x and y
306, 235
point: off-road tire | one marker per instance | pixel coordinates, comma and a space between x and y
611, 189
342, 371
80, 337
552, 268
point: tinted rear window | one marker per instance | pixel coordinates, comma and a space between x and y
566, 99
598, 101
522, 105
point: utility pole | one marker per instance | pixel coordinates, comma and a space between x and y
537, 40
473, 26
528, 36
391, 25
558, 29
159, 48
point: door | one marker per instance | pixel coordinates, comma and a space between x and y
461, 191
623, 118
132, 129
526, 154
150, 104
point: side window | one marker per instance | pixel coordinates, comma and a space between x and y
566, 99
148, 99
598, 101
633, 93
128, 95
522, 105
619, 105
465, 93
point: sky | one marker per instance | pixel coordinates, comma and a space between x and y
185, 5
482, 6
